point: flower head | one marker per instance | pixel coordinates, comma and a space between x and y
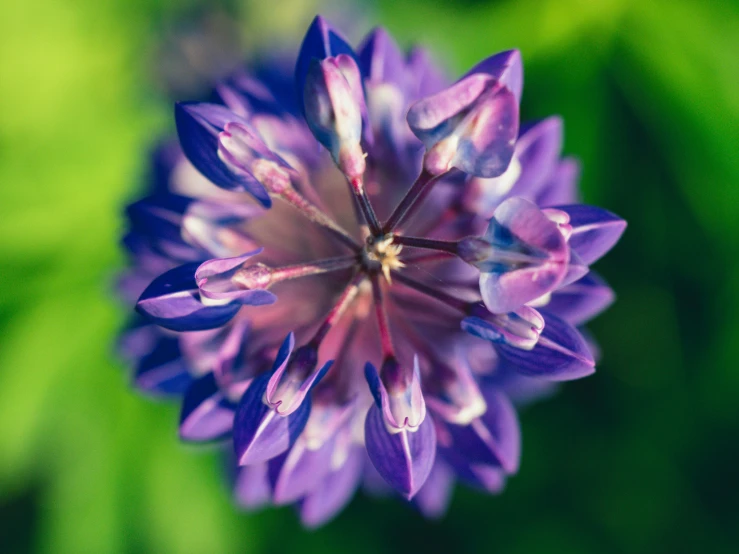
365, 281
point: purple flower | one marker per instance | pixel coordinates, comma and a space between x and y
363, 285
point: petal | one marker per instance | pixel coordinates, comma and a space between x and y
215, 281
538, 149
494, 438
163, 371
289, 384
594, 230
299, 471
252, 489
207, 415
381, 60
505, 67
402, 403
582, 300
321, 41
561, 187
260, 433
434, 496
561, 354
404, 459
198, 126
172, 301
424, 76
334, 491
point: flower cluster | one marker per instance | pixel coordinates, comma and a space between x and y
352, 275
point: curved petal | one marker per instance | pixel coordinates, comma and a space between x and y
207, 415
594, 230
561, 354
582, 300
404, 459
172, 300
252, 489
434, 496
506, 68
163, 371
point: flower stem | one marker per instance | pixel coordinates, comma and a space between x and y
388, 350
314, 214
449, 247
418, 191
260, 276
365, 206
346, 298
441, 296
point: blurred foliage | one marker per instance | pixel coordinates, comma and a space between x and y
642, 457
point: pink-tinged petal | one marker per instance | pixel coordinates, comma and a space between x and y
434, 496
335, 490
582, 300
172, 300
561, 354
207, 415
293, 379
459, 399
594, 231
399, 398
404, 459
252, 490
506, 68
494, 438
218, 281
198, 126
260, 433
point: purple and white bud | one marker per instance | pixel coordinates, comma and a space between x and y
520, 329
334, 102
226, 280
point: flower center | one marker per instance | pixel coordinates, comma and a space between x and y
381, 254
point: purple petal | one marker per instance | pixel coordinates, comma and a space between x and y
594, 230
434, 496
163, 372
561, 187
404, 458
215, 279
537, 149
172, 301
198, 126
582, 300
561, 354
299, 471
334, 491
207, 415
260, 433
424, 76
494, 438
505, 67
321, 41
252, 489
402, 406
381, 60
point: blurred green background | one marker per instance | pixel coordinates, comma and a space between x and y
642, 457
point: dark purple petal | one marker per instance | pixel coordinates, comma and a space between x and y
594, 230
252, 489
404, 458
207, 415
561, 354
172, 300
494, 438
321, 41
506, 68
260, 433
401, 403
334, 491
198, 127
163, 372
381, 60
582, 300
434, 496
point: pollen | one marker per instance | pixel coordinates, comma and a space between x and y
382, 254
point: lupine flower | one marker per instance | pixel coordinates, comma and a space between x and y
359, 285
